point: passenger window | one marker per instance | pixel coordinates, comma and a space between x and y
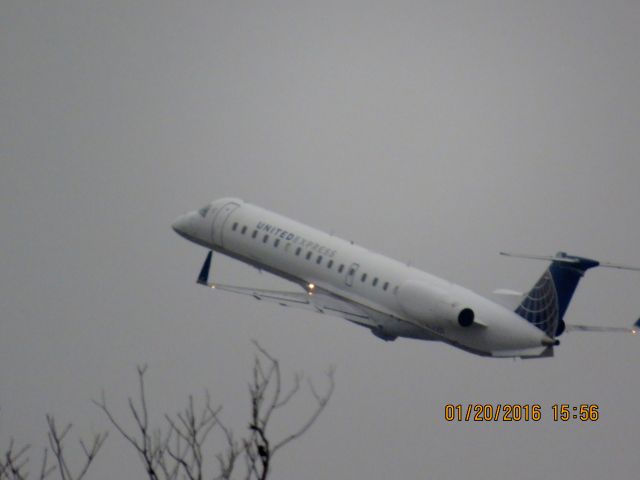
375, 281
254, 234
235, 225
276, 243
319, 259
244, 230
385, 286
308, 255
265, 238
341, 268
330, 264
363, 277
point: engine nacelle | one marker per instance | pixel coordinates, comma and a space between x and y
465, 317
433, 304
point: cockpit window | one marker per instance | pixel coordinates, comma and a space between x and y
203, 211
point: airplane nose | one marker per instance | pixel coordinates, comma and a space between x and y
181, 224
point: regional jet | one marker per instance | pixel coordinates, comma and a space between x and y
337, 277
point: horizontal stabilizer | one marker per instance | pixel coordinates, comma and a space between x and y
508, 292
545, 305
550, 258
508, 298
562, 257
606, 329
619, 266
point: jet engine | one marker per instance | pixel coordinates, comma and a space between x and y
433, 304
465, 317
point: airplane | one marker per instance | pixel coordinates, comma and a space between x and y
390, 298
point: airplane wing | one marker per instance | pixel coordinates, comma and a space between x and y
318, 300
286, 299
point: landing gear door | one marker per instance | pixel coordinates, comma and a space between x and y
218, 224
351, 273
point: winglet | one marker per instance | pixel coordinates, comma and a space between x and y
203, 278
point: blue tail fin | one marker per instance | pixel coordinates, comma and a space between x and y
546, 303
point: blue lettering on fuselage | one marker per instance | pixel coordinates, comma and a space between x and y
296, 239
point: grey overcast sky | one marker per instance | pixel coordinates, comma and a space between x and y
435, 132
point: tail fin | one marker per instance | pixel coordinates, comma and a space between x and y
546, 303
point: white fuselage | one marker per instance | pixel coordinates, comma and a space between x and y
399, 300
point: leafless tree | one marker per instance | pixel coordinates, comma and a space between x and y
178, 449
267, 396
13, 465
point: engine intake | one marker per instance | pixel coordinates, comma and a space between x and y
465, 317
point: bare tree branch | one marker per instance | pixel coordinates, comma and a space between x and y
227, 460
267, 396
44, 471
321, 404
14, 462
56, 440
147, 452
179, 449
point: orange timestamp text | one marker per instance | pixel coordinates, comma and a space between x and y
516, 412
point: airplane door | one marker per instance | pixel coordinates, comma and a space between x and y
217, 227
351, 273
